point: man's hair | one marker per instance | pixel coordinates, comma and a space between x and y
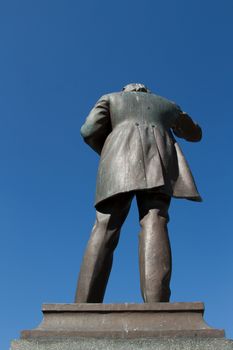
135, 87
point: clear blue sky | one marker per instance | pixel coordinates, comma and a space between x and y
57, 58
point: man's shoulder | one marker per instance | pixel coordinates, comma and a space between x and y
161, 98
109, 95
169, 103
129, 94
115, 96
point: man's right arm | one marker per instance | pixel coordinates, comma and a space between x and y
186, 128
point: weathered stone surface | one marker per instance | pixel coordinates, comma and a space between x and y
123, 321
124, 344
160, 326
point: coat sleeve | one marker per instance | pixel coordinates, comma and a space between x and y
185, 127
97, 125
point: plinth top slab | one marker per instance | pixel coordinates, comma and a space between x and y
147, 320
125, 307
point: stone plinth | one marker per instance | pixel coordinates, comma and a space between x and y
123, 321
157, 326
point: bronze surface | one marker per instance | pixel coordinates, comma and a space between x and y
139, 156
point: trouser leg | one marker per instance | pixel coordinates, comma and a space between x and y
154, 247
97, 261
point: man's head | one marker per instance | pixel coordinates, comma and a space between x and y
135, 87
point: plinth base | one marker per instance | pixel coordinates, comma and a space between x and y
124, 344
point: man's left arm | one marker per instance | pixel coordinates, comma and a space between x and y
97, 125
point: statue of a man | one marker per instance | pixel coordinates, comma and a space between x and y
139, 156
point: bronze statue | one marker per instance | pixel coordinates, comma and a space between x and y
139, 156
